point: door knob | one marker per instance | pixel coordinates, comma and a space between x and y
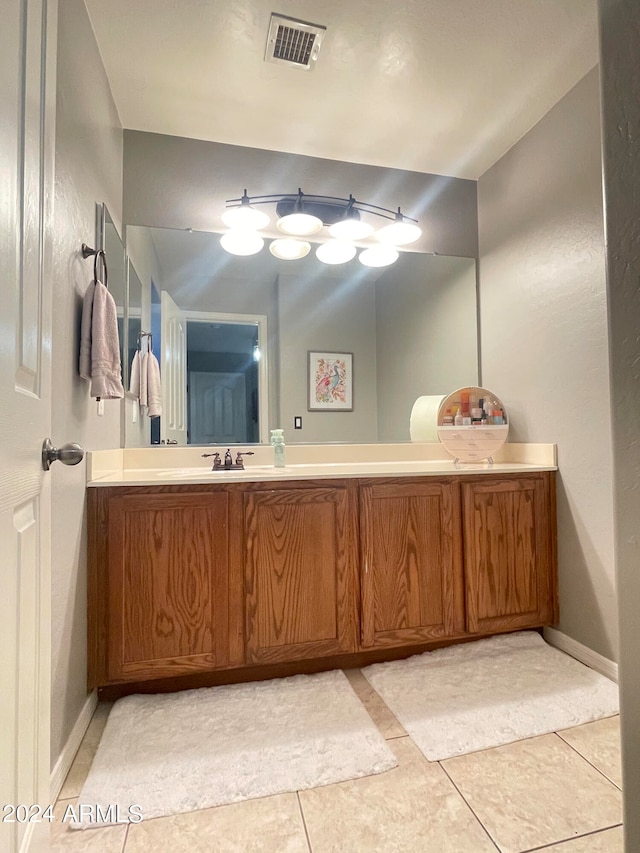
68, 454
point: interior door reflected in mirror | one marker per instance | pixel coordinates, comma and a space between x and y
214, 377
223, 382
412, 329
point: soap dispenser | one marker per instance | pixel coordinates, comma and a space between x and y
277, 440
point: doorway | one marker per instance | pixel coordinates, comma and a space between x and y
225, 379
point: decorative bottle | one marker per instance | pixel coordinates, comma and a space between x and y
277, 440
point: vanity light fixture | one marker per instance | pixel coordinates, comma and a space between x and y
241, 242
303, 215
335, 252
379, 256
351, 228
299, 224
245, 217
289, 250
400, 232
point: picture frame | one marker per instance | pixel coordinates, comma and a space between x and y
330, 381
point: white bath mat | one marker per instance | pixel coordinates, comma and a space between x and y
491, 692
178, 752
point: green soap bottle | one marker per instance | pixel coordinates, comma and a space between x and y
277, 440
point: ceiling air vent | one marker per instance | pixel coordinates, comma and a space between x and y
292, 42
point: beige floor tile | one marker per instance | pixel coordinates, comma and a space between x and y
387, 724
535, 792
609, 841
413, 808
110, 839
268, 825
599, 743
84, 757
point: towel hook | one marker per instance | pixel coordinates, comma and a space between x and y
87, 251
145, 335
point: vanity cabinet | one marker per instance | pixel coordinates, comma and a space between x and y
509, 553
411, 572
202, 579
300, 570
160, 599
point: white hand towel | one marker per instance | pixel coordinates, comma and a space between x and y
154, 386
85, 332
106, 372
144, 359
134, 381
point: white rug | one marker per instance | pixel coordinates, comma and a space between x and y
483, 694
178, 752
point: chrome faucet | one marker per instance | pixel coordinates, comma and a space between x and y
229, 464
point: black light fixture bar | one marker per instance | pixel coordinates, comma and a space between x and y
299, 201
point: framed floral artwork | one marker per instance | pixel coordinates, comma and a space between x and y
330, 379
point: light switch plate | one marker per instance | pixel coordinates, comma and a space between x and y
297, 422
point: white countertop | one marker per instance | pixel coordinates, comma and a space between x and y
154, 465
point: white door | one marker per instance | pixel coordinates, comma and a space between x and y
173, 371
27, 110
218, 408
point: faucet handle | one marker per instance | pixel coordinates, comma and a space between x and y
242, 453
216, 459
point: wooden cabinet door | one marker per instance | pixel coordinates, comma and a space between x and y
411, 573
509, 551
168, 584
299, 573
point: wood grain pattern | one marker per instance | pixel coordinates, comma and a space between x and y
186, 581
97, 587
508, 554
298, 566
412, 568
262, 671
168, 566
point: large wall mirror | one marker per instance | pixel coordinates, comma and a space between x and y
250, 322
110, 241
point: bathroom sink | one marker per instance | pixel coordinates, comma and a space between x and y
220, 473
298, 471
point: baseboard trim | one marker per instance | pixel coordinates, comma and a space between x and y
65, 759
582, 653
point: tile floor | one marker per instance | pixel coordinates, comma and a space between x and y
559, 793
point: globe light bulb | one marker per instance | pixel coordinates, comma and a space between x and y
335, 252
245, 217
299, 224
240, 242
378, 256
399, 233
351, 229
289, 250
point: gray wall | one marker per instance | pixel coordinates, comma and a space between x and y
182, 183
426, 335
544, 337
341, 319
620, 82
88, 169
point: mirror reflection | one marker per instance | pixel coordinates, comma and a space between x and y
116, 271
134, 319
248, 324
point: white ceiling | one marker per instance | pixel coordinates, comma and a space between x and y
440, 86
